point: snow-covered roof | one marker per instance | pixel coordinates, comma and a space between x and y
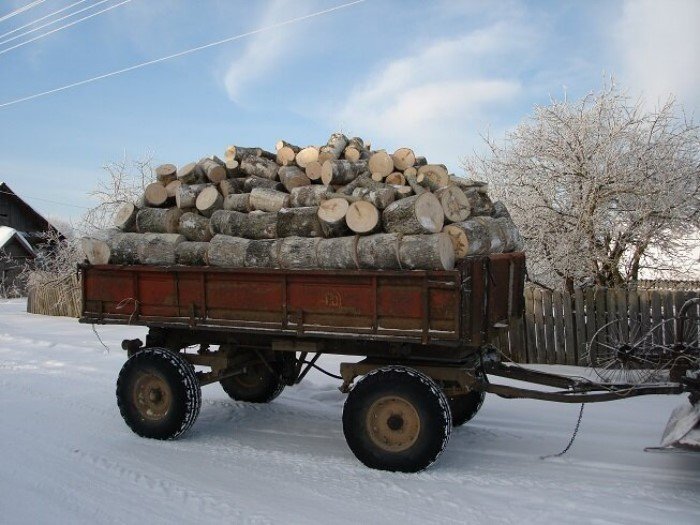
7, 233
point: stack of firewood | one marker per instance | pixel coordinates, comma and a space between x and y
337, 206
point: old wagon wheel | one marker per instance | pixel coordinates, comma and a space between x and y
622, 352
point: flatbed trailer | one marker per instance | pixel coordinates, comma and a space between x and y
427, 339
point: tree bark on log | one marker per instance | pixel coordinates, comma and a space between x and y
125, 218
254, 225
337, 254
186, 196
209, 200
259, 167
362, 217
469, 238
454, 203
379, 252
499, 210
403, 158
190, 253
158, 220
433, 176
495, 232
514, 241
166, 173
338, 172
265, 199
427, 252
96, 250
469, 184
155, 195
299, 222
314, 170
480, 203
334, 148
331, 214
238, 202
307, 155
253, 182
356, 150
187, 174
311, 195
414, 215
286, 153
232, 186
263, 253
212, 170
380, 164
143, 248
172, 188
413, 183
227, 252
402, 192
194, 227
395, 178
232, 168
292, 177
298, 253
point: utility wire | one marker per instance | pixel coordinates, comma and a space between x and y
21, 10
46, 200
8, 33
181, 53
65, 26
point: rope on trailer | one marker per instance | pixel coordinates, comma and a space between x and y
99, 338
573, 437
314, 365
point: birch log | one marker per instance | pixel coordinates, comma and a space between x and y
331, 214
227, 251
338, 253
265, 199
143, 248
427, 252
308, 195
454, 203
259, 182
259, 167
158, 220
230, 186
96, 250
292, 177
155, 195
186, 196
238, 202
306, 155
362, 217
414, 215
379, 252
192, 253
254, 225
334, 148
263, 253
298, 253
125, 218
380, 164
299, 222
194, 227
338, 172
403, 158
166, 173
468, 238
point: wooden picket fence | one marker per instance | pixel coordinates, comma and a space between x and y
558, 326
59, 297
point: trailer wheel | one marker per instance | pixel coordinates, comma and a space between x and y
464, 407
158, 394
257, 385
397, 419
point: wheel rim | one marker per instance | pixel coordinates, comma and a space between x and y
393, 423
152, 396
253, 377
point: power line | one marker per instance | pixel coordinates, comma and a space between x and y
8, 33
21, 10
181, 53
2, 52
46, 200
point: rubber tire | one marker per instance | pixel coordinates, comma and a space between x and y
180, 377
424, 396
464, 408
270, 386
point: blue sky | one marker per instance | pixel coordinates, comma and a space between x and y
431, 75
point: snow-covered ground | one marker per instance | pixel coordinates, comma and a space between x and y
67, 457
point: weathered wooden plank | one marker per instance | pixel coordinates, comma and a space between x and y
540, 344
633, 308
516, 340
559, 344
591, 296
622, 313
548, 318
569, 331
530, 330
644, 312
656, 317
579, 309
669, 314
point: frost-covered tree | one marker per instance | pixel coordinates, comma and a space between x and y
601, 187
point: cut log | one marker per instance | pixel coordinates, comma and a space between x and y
379, 252
359, 194
239, 153
192, 253
338, 253
299, 222
265, 199
96, 250
420, 161
259, 167
410, 175
331, 214
254, 225
381, 197
306, 155
308, 195
314, 170
227, 252
356, 150
362, 217
403, 158
231, 186
232, 168
263, 253
158, 220
414, 215
253, 182
480, 203
166, 173
209, 200
469, 238
401, 192
380, 164
454, 203
186, 196
125, 218
194, 227
433, 176
155, 195
469, 184
187, 174
292, 177
172, 188
146, 248
513, 240
499, 210
378, 177
334, 148
355, 183
212, 170
396, 178
338, 172
298, 253
495, 232
286, 154
284, 144
427, 252
238, 202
